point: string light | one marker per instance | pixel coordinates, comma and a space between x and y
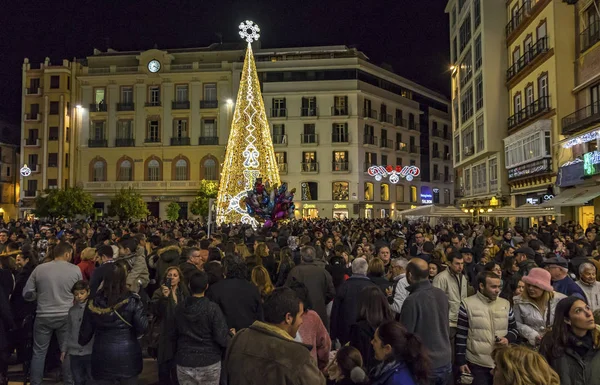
250, 154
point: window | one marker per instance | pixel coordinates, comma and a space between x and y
454, 51
493, 166
384, 191
209, 128
154, 95
35, 109
543, 90
31, 187
413, 162
309, 106
153, 134
180, 128
53, 184
477, 12
468, 140
210, 169
465, 33
340, 105
399, 193
181, 93
55, 81
127, 95
181, 170
384, 159
527, 148
34, 83
453, 17
339, 133
517, 105
479, 178
52, 159
541, 31
466, 69
98, 130
468, 180
67, 134
340, 191
153, 170
68, 83
125, 171
32, 161
99, 171
466, 105
457, 149
413, 194
340, 161
210, 92
309, 161
278, 107
281, 159
595, 98
53, 133
99, 96
8, 170
369, 191
309, 191
516, 55
529, 97
279, 136
124, 129
53, 108
370, 158
480, 133
479, 92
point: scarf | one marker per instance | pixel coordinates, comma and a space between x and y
384, 367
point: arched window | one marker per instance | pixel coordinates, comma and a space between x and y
385, 192
210, 169
99, 171
181, 170
126, 171
153, 170
369, 191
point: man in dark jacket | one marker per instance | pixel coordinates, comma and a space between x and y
266, 352
317, 280
425, 313
524, 257
238, 298
105, 254
345, 306
193, 262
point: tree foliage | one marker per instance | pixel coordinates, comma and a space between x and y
173, 211
208, 190
67, 203
128, 203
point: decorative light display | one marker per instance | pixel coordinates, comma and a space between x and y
250, 154
588, 137
572, 162
394, 173
25, 171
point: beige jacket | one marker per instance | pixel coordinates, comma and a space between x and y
449, 283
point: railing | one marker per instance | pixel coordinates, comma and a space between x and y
280, 140
522, 14
33, 91
340, 138
437, 176
401, 146
99, 70
536, 108
180, 105
367, 165
32, 117
581, 119
340, 166
367, 113
386, 143
35, 168
124, 142
369, 139
413, 149
209, 104
540, 47
97, 143
208, 140
143, 185
400, 122
30, 193
310, 167
128, 106
152, 140
305, 111
309, 138
448, 136
153, 104
436, 154
414, 126
180, 141
589, 36
469, 150
100, 107
447, 178
283, 167
386, 118
436, 133
340, 111
278, 112
32, 142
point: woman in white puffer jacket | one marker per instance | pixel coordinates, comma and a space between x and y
534, 308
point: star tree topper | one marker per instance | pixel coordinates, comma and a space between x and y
249, 31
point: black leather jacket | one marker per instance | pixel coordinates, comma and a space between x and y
116, 353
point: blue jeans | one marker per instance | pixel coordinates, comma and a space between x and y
81, 368
43, 328
441, 375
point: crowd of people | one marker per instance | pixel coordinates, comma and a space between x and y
318, 301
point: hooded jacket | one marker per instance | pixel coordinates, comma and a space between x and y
201, 332
138, 277
167, 257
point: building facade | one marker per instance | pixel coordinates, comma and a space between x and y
158, 121
479, 107
540, 81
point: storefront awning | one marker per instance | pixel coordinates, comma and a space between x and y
574, 197
525, 211
435, 212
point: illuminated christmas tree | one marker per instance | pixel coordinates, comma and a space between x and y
249, 153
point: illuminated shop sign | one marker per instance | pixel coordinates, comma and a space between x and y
394, 173
570, 174
309, 206
339, 206
368, 206
590, 136
426, 195
528, 169
591, 160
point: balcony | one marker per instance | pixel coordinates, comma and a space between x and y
33, 91
414, 126
283, 168
308, 111
179, 185
340, 111
448, 135
436, 154
310, 167
530, 112
524, 13
386, 118
97, 143
447, 178
180, 141
278, 113
370, 140
590, 36
208, 141
153, 104
35, 168
125, 106
280, 140
370, 114
413, 149
32, 117
309, 138
340, 166
180, 105
367, 165
386, 143
30, 193
540, 47
436, 133
100, 107
124, 142
205, 104
152, 140
400, 122
581, 119
401, 147
437, 176
340, 138
31, 142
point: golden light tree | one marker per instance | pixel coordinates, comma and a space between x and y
250, 154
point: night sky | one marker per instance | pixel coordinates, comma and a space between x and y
410, 35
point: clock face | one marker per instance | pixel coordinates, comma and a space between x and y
154, 66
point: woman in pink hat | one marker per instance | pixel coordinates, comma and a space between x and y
534, 308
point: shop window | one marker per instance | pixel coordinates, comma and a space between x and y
369, 191
310, 191
340, 191
385, 192
413, 194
